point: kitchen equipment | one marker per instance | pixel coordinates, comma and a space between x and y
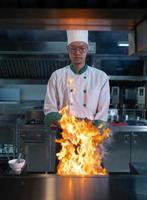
38, 146
113, 114
34, 117
19, 157
16, 165
115, 96
141, 97
138, 168
130, 97
8, 137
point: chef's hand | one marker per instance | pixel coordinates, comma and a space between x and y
52, 118
101, 125
57, 124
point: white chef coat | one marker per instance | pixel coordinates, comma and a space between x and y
87, 94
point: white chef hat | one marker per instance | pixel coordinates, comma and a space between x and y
77, 35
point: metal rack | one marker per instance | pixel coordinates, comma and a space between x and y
8, 137
135, 113
8, 150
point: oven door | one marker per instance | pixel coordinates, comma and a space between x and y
38, 157
38, 147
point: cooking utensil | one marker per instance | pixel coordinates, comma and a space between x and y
19, 157
16, 166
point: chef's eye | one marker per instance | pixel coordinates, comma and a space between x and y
80, 49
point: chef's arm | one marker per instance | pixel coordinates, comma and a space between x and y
103, 106
52, 116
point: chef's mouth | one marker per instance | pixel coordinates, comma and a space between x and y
77, 57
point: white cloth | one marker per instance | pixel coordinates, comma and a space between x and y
66, 88
77, 35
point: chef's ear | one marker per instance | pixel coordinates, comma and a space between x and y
88, 47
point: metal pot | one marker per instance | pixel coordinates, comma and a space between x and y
34, 117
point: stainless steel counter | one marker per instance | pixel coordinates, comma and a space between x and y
129, 128
134, 128
128, 145
53, 187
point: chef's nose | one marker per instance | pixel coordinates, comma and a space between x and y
78, 50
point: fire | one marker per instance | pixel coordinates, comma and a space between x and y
80, 153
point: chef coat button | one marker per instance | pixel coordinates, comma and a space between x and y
71, 90
84, 105
71, 104
84, 91
85, 77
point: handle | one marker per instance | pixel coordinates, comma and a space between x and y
134, 136
126, 138
19, 157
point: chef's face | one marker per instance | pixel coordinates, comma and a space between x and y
78, 52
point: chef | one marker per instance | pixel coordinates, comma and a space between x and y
83, 88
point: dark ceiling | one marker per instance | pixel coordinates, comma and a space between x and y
72, 4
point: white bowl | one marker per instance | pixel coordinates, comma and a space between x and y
16, 165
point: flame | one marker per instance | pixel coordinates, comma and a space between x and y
80, 153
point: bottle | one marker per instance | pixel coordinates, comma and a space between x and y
126, 117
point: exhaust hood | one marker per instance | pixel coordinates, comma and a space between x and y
34, 60
32, 67
20, 47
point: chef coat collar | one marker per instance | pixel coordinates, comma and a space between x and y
82, 70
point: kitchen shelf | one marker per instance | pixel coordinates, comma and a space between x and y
128, 78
